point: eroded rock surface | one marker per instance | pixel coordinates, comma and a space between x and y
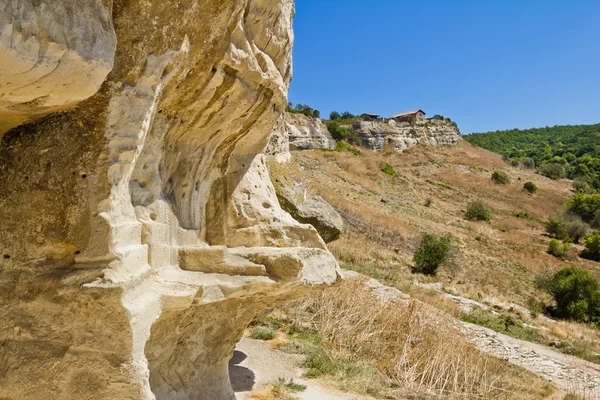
139, 229
376, 134
306, 133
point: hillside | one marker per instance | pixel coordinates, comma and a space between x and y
576, 147
389, 199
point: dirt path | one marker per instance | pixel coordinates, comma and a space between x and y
255, 364
570, 373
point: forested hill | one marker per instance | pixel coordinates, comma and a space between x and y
575, 147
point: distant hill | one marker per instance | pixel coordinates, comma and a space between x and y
576, 147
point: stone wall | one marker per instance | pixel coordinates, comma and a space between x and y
139, 229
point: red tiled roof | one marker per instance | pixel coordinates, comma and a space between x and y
408, 113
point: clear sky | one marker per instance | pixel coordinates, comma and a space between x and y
487, 64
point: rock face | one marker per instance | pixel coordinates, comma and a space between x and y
311, 209
305, 133
139, 229
375, 135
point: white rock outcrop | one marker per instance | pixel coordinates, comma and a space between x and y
306, 133
139, 229
377, 134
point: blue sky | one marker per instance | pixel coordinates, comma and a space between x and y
487, 64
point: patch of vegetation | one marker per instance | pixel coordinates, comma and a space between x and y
342, 133
575, 292
502, 323
389, 170
528, 163
343, 146
530, 187
523, 215
478, 211
558, 249
553, 171
577, 351
500, 177
262, 333
592, 247
585, 205
561, 228
432, 253
574, 147
292, 385
303, 109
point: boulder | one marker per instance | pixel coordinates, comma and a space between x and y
311, 209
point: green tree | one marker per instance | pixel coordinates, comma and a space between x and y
585, 205
334, 116
575, 292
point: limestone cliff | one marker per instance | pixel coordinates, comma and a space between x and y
139, 229
377, 134
305, 133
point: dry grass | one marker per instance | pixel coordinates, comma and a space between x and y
416, 349
497, 259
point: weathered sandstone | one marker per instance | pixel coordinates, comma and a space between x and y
139, 229
377, 134
306, 133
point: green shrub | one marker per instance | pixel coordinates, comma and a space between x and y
500, 177
530, 187
478, 211
262, 333
596, 221
337, 131
561, 228
514, 163
558, 249
553, 170
388, 170
575, 292
576, 229
592, 247
528, 163
581, 186
334, 115
585, 205
432, 253
343, 146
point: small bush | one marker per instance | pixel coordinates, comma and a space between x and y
428, 202
500, 177
553, 170
343, 146
262, 333
581, 186
575, 292
514, 163
561, 228
596, 221
478, 211
388, 170
528, 163
334, 115
592, 247
558, 249
530, 187
585, 205
432, 253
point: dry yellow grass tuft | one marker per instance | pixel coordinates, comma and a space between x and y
417, 349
